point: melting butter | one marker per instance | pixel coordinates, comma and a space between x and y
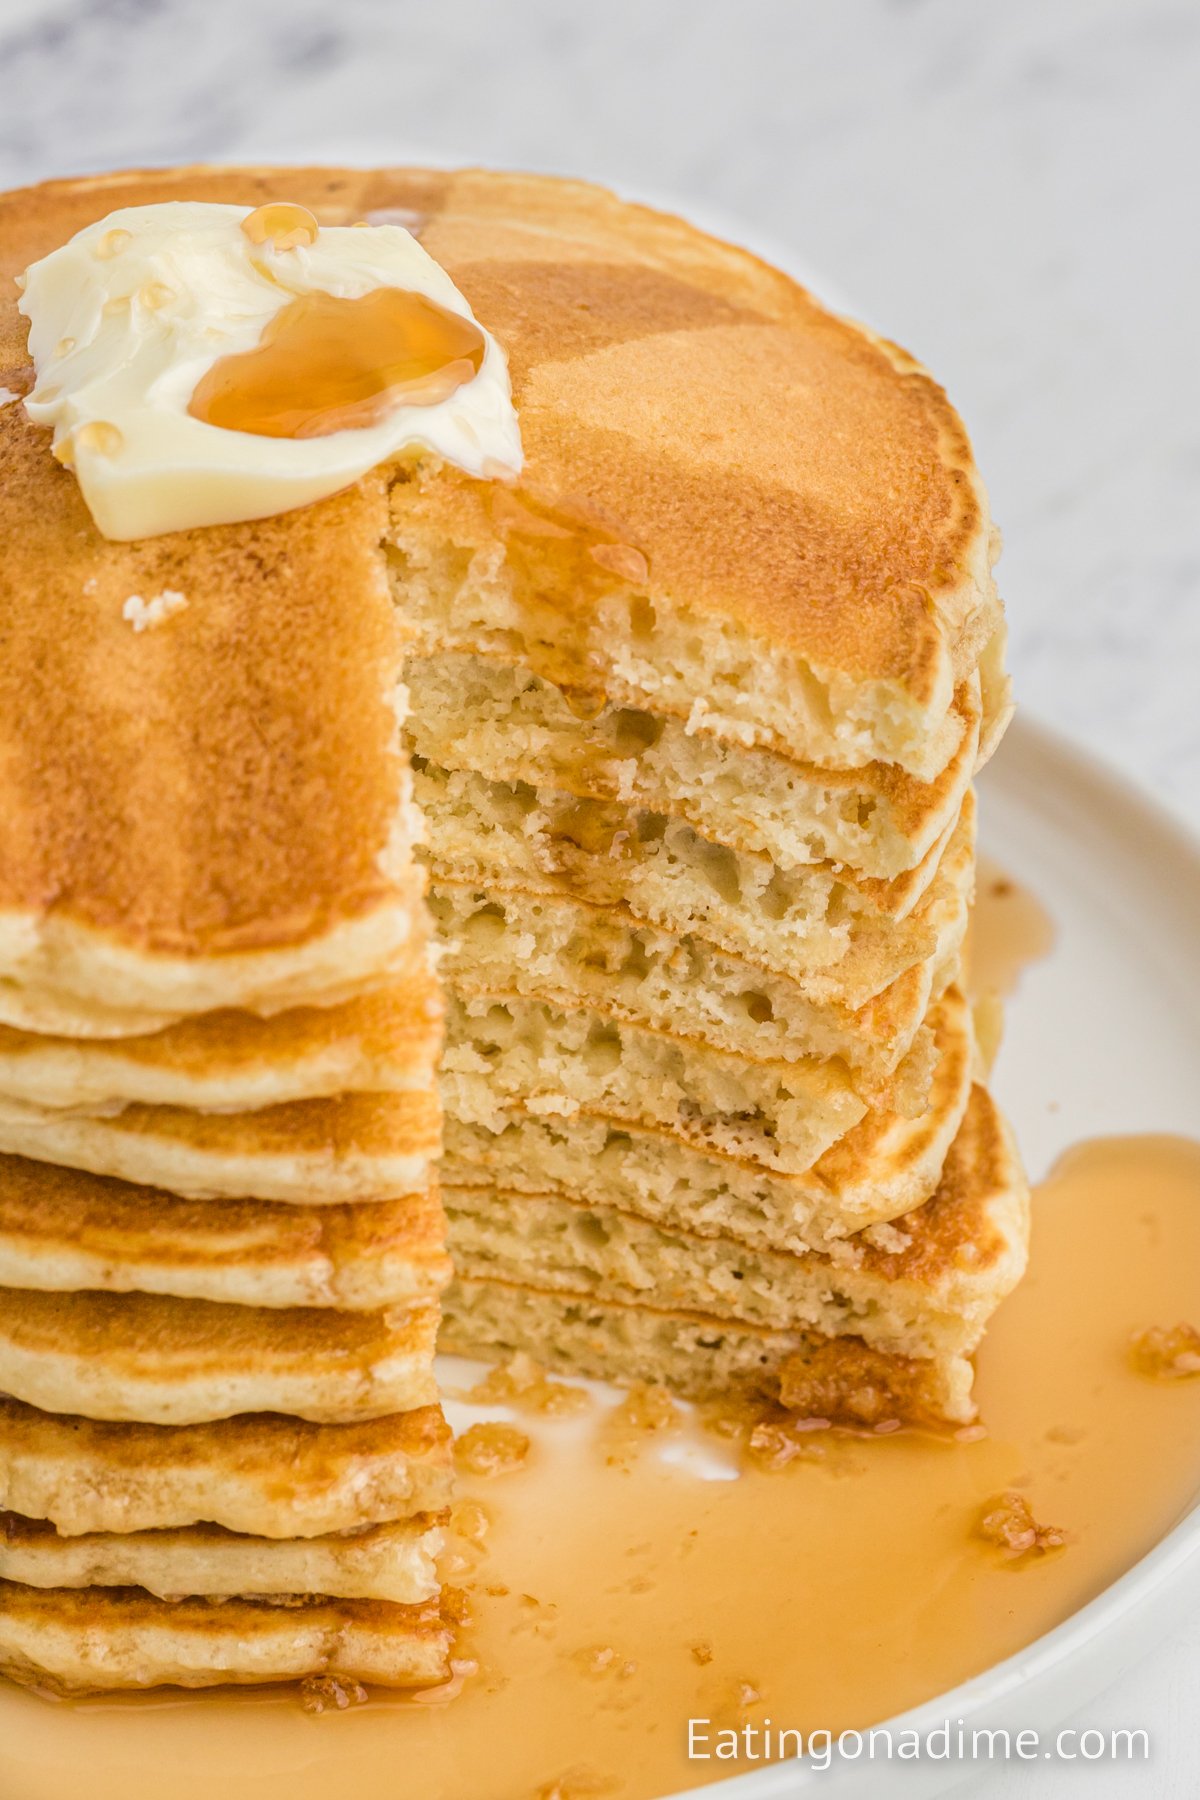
201, 364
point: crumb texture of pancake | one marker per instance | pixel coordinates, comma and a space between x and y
541, 899
953, 1258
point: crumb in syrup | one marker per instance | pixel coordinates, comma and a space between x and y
1008, 1522
1166, 1353
645, 1413
320, 1692
470, 1521
490, 1449
602, 1659
521, 1382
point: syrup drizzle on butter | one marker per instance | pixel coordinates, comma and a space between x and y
326, 363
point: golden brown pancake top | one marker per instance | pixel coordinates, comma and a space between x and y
224, 780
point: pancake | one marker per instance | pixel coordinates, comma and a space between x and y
382, 1562
504, 1050
738, 547
383, 1042
866, 1010
820, 1360
485, 714
62, 1230
259, 1473
883, 1167
238, 837
823, 590
353, 1147
163, 1361
929, 1293
802, 919
699, 1357
60, 978
90, 1640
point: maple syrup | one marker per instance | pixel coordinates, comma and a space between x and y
281, 224
326, 364
1009, 929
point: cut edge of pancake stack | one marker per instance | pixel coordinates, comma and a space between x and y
702, 866
715, 1118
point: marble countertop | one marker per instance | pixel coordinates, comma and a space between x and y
1009, 190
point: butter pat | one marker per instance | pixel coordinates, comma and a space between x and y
129, 317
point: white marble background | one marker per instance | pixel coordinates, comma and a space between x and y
1008, 186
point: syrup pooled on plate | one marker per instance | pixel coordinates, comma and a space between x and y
326, 363
1009, 929
614, 1594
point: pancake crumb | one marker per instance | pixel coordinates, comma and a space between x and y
647, 1411
490, 1449
1008, 1522
470, 1521
775, 1441
602, 1659
320, 1692
648, 1408
1166, 1353
142, 614
456, 1607
522, 1382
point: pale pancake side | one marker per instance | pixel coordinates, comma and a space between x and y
158, 1360
382, 1562
63, 1230
92, 1640
387, 1041
258, 1473
353, 1147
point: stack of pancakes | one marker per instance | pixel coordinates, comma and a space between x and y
221, 1245
692, 713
